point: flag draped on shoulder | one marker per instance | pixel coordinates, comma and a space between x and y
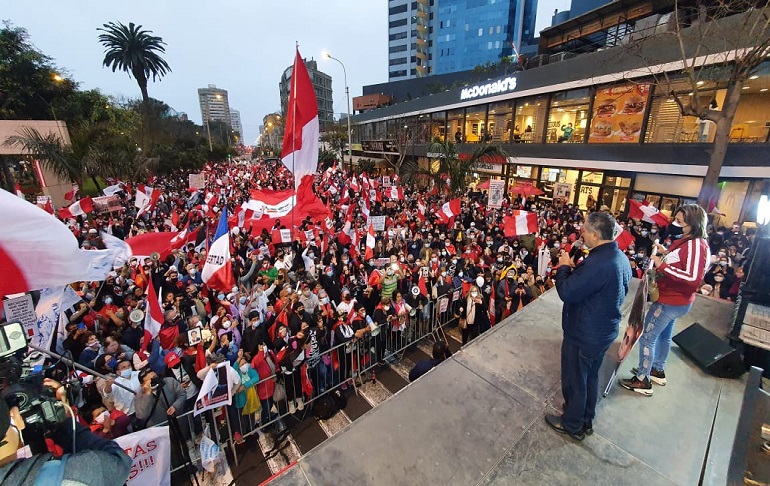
217, 272
300, 142
38, 251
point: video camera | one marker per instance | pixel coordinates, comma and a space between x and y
23, 387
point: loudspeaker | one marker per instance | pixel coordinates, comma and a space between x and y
709, 352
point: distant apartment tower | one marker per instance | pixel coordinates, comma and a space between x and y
215, 105
409, 38
235, 122
467, 33
322, 84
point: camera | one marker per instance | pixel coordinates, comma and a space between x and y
23, 388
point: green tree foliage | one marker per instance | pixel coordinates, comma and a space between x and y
134, 51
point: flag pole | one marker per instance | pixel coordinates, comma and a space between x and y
293, 132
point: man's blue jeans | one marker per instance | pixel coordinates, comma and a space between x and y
655, 341
580, 383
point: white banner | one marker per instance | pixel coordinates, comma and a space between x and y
496, 193
21, 309
215, 390
562, 190
150, 451
378, 222
197, 181
68, 302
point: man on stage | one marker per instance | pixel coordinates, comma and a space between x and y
593, 292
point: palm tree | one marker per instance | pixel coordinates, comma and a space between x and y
450, 169
135, 51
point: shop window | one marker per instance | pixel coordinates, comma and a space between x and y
615, 199
752, 118
529, 119
587, 197
500, 121
619, 113
476, 124
615, 181
568, 117
558, 181
455, 125
592, 177
524, 171
438, 126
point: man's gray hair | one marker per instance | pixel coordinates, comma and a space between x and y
601, 223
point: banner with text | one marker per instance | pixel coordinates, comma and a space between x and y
496, 193
150, 451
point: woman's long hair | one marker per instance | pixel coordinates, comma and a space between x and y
696, 218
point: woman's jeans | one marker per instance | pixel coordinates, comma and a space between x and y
655, 342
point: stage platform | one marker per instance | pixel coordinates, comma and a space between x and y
478, 419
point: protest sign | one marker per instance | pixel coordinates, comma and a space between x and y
150, 453
215, 390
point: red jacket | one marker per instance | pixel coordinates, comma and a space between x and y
265, 387
683, 270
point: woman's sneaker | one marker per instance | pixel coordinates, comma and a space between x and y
656, 376
643, 387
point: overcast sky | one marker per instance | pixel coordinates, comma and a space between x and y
242, 46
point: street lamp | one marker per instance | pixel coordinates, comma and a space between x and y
347, 95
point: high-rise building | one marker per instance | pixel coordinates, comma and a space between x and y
215, 105
322, 84
468, 33
235, 122
409, 39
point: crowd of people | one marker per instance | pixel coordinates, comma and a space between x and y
301, 311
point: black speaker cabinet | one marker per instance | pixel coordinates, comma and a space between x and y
710, 353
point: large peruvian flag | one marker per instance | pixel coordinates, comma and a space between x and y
520, 223
300, 142
266, 206
449, 210
78, 208
394, 192
38, 251
643, 211
217, 272
162, 242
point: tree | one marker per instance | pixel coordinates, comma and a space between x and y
450, 169
336, 136
135, 51
29, 81
406, 132
735, 33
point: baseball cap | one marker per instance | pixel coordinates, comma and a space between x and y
172, 359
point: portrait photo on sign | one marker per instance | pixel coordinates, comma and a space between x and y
193, 337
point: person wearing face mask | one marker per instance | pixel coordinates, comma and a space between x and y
158, 399
309, 300
91, 352
245, 398
121, 398
385, 341
105, 365
473, 315
680, 270
642, 241
593, 292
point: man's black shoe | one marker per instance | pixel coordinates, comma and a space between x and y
588, 428
555, 422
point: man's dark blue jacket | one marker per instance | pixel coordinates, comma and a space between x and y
592, 293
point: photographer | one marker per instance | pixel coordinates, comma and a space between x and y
96, 462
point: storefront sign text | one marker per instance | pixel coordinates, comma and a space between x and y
499, 86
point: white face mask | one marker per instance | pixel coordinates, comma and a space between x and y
245, 368
125, 373
226, 324
325, 300
677, 224
386, 307
556, 245
474, 294
193, 272
721, 253
718, 278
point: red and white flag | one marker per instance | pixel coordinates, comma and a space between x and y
38, 251
394, 192
300, 142
281, 235
449, 210
622, 237
70, 195
153, 314
78, 208
643, 211
369, 254
520, 223
217, 272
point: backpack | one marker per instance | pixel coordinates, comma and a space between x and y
325, 407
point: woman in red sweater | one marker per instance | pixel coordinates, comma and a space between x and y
680, 271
